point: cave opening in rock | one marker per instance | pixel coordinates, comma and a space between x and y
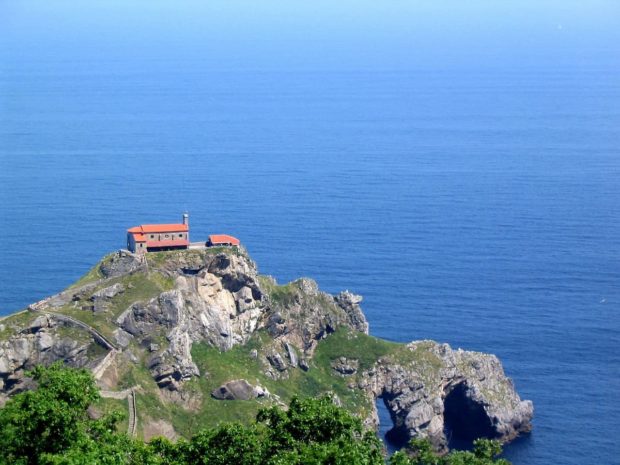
464, 419
190, 271
393, 436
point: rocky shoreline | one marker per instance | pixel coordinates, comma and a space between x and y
217, 299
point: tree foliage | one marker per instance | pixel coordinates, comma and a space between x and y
49, 420
485, 453
51, 426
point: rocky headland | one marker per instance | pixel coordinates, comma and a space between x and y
198, 337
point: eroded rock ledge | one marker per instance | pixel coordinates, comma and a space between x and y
153, 311
452, 392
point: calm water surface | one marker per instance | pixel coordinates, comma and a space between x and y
480, 208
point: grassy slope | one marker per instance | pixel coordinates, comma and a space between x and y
138, 287
219, 367
104, 406
320, 379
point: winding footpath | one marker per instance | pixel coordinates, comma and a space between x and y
99, 338
130, 395
62, 299
65, 297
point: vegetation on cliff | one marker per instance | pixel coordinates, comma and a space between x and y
187, 340
51, 425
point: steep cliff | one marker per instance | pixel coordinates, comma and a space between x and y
200, 337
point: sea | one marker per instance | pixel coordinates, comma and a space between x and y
473, 199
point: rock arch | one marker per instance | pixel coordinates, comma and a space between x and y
465, 418
456, 394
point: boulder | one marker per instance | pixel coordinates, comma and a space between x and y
344, 366
276, 361
122, 338
39, 323
102, 298
45, 341
121, 263
238, 389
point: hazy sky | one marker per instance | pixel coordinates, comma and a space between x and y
315, 34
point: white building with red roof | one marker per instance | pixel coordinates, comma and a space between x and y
222, 239
157, 237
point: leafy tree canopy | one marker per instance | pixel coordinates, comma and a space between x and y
51, 426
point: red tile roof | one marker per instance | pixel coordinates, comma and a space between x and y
158, 228
223, 239
139, 237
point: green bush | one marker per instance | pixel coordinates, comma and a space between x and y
51, 426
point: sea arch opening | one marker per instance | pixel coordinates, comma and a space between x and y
391, 429
465, 419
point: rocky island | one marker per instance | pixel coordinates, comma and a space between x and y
190, 338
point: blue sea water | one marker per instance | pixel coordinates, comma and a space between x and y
474, 201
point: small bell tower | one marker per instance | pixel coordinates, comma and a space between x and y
186, 223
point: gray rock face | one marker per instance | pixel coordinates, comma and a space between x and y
45, 341
276, 361
121, 263
39, 323
350, 303
309, 315
238, 389
122, 338
459, 392
108, 292
217, 299
292, 355
102, 298
39, 343
430, 390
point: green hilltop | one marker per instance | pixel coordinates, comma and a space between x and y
195, 338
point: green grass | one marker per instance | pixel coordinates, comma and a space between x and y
283, 295
354, 345
148, 401
106, 406
421, 355
100, 322
138, 287
136, 374
96, 351
368, 349
219, 367
16, 322
94, 274
238, 364
81, 337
